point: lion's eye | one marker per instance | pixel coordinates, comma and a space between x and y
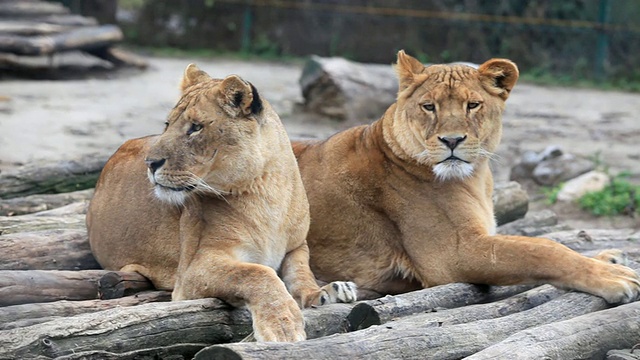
472, 105
429, 107
194, 129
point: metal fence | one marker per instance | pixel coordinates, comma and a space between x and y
572, 39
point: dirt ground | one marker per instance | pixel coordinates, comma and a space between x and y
56, 120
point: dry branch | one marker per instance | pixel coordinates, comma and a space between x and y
380, 311
47, 178
29, 314
62, 249
34, 203
588, 336
32, 222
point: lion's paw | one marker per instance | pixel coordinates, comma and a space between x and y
621, 284
338, 291
278, 322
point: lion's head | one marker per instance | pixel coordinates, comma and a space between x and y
449, 117
214, 138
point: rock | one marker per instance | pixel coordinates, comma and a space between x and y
588, 182
530, 159
555, 170
627, 354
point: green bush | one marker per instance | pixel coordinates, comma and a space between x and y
618, 197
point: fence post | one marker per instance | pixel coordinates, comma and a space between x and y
247, 24
602, 48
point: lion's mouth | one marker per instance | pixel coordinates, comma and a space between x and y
177, 189
453, 158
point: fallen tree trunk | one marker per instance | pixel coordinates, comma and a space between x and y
16, 316
597, 239
37, 286
34, 286
205, 321
180, 351
533, 224
406, 339
35, 203
18, 9
380, 311
46, 178
588, 336
63, 249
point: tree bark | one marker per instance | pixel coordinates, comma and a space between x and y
130, 329
383, 310
34, 286
62, 249
406, 339
46, 178
31, 223
35, 203
588, 336
15, 316
22, 9
597, 239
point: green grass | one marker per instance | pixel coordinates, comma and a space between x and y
618, 197
551, 193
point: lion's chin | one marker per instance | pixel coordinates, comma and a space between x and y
452, 169
170, 196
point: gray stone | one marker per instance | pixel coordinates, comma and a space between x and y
555, 170
575, 188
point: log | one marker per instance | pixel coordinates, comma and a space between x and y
60, 249
36, 203
346, 90
120, 330
119, 57
177, 352
130, 329
31, 222
510, 202
29, 28
18, 9
588, 336
84, 38
15, 316
383, 310
597, 239
34, 286
406, 339
116, 284
47, 178
37, 286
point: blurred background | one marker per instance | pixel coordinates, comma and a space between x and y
570, 40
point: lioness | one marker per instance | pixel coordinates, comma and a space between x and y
406, 200
229, 208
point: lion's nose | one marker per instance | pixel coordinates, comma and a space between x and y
154, 164
452, 141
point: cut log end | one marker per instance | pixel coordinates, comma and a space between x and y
363, 316
217, 352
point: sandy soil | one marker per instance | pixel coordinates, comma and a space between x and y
54, 120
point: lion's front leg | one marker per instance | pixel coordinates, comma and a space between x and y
276, 315
302, 284
504, 260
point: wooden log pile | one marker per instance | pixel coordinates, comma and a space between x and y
33, 28
56, 302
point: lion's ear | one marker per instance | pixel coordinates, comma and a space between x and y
193, 75
499, 76
239, 97
407, 67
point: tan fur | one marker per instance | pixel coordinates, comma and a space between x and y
229, 209
402, 217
